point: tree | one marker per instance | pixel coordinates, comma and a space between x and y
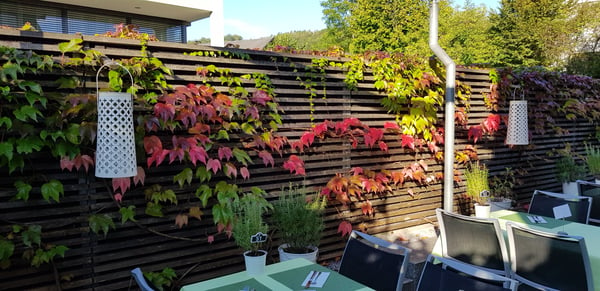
530, 33
232, 37
336, 13
383, 25
464, 33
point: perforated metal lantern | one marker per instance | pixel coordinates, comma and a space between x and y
115, 140
518, 127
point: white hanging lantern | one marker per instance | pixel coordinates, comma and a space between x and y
115, 141
518, 128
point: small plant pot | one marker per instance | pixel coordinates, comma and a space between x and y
255, 265
285, 256
570, 188
482, 211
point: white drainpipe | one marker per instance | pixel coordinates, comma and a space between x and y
449, 107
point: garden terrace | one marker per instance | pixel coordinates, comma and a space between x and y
103, 260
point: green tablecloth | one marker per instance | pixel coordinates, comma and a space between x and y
283, 276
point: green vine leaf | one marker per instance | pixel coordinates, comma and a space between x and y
6, 149
27, 111
154, 209
185, 176
33, 86
53, 189
203, 174
46, 256
127, 214
23, 190
32, 235
204, 193
28, 144
241, 156
73, 45
9, 69
7, 249
6, 122
100, 222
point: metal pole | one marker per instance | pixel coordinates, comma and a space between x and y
448, 109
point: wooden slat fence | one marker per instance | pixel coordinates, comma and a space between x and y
98, 262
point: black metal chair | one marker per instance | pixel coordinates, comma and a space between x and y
374, 262
473, 240
591, 189
543, 203
449, 274
549, 261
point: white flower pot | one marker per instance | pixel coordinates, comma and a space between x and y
570, 188
285, 256
482, 211
255, 265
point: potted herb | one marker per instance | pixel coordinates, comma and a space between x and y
567, 172
298, 219
478, 189
250, 230
501, 189
592, 159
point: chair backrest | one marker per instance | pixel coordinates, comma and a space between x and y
549, 261
449, 274
374, 262
140, 280
473, 240
591, 189
543, 202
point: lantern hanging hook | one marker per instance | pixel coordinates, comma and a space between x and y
111, 64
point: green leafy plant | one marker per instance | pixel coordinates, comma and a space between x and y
476, 179
502, 184
567, 170
298, 218
592, 159
161, 279
249, 221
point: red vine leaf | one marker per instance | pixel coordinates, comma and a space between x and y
408, 141
307, 138
121, 183
66, 163
475, 133
181, 220
245, 173
491, 123
140, 176
345, 228
225, 153
118, 197
164, 111
197, 153
367, 208
295, 164
391, 125
267, 158
320, 129
260, 97
152, 144
210, 239
230, 170
383, 146
214, 165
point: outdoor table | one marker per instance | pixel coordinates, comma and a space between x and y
590, 233
283, 276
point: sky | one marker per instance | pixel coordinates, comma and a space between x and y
260, 18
